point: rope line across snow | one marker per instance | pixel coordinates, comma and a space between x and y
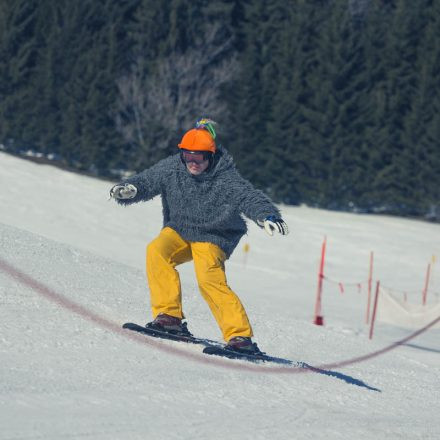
82, 311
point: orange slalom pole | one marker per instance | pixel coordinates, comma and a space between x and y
319, 320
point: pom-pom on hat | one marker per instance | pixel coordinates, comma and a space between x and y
200, 138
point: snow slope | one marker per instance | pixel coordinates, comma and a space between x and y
67, 375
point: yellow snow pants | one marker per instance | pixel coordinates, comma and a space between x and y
167, 251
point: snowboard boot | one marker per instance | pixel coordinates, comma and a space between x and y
169, 324
243, 344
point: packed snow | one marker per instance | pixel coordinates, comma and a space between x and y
72, 272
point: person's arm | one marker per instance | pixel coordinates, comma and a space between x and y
140, 187
257, 206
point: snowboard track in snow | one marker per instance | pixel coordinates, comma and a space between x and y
89, 315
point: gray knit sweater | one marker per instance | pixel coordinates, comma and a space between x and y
207, 207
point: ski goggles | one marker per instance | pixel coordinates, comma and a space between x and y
197, 157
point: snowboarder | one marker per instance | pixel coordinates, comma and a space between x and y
203, 199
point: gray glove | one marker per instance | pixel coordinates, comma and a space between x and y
125, 191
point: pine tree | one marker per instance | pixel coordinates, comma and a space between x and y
392, 183
95, 43
19, 49
163, 96
251, 96
304, 106
347, 109
421, 125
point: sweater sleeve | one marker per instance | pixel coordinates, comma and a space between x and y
253, 203
148, 183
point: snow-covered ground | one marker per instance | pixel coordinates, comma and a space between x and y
70, 372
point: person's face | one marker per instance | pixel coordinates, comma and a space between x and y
197, 168
196, 161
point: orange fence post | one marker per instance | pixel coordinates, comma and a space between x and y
319, 319
373, 318
425, 289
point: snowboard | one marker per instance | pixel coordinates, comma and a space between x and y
223, 351
170, 336
213, 348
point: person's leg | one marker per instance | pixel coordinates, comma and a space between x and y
225, 305
164, 253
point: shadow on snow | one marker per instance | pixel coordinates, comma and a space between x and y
344, 377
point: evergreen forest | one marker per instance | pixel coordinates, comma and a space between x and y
329, 103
